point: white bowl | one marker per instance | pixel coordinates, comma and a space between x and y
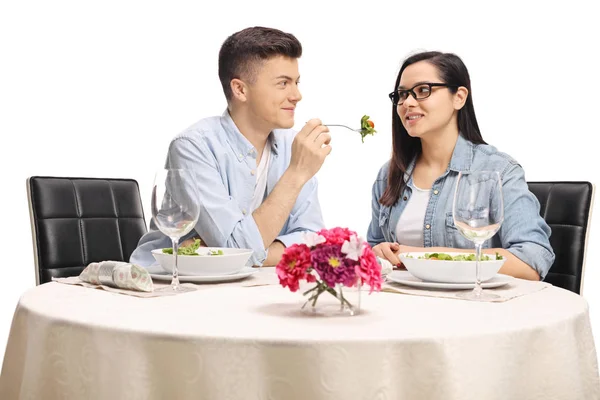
231, 262
449, 271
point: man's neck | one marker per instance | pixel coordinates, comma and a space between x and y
256, 132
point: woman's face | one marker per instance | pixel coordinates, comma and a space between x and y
434, 113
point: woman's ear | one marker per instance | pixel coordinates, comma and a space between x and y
238, 89
460, 97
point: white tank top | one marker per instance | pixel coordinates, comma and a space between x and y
409, 230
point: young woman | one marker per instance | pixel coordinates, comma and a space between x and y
436, 136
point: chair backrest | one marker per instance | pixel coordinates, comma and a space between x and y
76, 221
567, 208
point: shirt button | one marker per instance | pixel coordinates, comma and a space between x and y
436, 191
252, 172
244, 211
405, 198
427, 226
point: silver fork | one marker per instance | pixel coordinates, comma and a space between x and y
344, 126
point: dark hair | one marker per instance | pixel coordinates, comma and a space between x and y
405, 148
242, 51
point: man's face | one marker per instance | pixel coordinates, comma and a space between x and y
273, 94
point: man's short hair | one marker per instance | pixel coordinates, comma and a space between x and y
242, 53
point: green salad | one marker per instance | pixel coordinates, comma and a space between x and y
191, 250
367, 127
460, 257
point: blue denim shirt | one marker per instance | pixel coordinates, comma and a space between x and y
524, 232
224, 162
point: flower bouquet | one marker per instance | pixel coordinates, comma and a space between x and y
332, 259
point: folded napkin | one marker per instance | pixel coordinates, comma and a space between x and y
118, 274
516, 288
386, 266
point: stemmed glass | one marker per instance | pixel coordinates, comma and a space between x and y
478, 212
175, 210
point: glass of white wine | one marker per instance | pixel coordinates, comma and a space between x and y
175, 210
478, 211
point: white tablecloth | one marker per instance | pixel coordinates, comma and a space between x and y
233, 342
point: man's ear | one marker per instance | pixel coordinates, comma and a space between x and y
239, 89
460, 97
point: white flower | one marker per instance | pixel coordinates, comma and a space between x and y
353, 248
312, 239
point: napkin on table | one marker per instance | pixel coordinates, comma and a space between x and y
386, 266
118, 274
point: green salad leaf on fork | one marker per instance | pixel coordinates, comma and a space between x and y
367, 127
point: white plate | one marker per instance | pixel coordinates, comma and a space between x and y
160, 275
406, 278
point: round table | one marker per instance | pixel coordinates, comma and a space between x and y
232, 342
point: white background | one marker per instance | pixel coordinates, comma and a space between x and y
99, 89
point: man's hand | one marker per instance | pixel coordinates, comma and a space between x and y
309, 149
191, 241
276, 250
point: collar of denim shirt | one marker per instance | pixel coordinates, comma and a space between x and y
239, 143
462, 158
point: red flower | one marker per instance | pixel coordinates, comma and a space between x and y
369, 270
295, 262
336, 235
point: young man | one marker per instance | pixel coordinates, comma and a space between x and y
255, 176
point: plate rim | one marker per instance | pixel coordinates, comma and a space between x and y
506, 279
244, 272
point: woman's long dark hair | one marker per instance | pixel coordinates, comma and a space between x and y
405, 148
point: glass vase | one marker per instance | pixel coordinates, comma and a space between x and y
322, 300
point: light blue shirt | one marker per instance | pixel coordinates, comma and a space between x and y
523, 232
224, 164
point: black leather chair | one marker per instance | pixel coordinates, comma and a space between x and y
76, 221
566, 207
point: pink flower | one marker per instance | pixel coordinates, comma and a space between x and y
369, 270
295, 262
336, 235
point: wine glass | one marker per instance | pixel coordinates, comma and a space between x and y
478, 212
175, 210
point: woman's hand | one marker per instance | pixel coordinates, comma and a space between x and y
388, 251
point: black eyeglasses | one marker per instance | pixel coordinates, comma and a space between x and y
419, 92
